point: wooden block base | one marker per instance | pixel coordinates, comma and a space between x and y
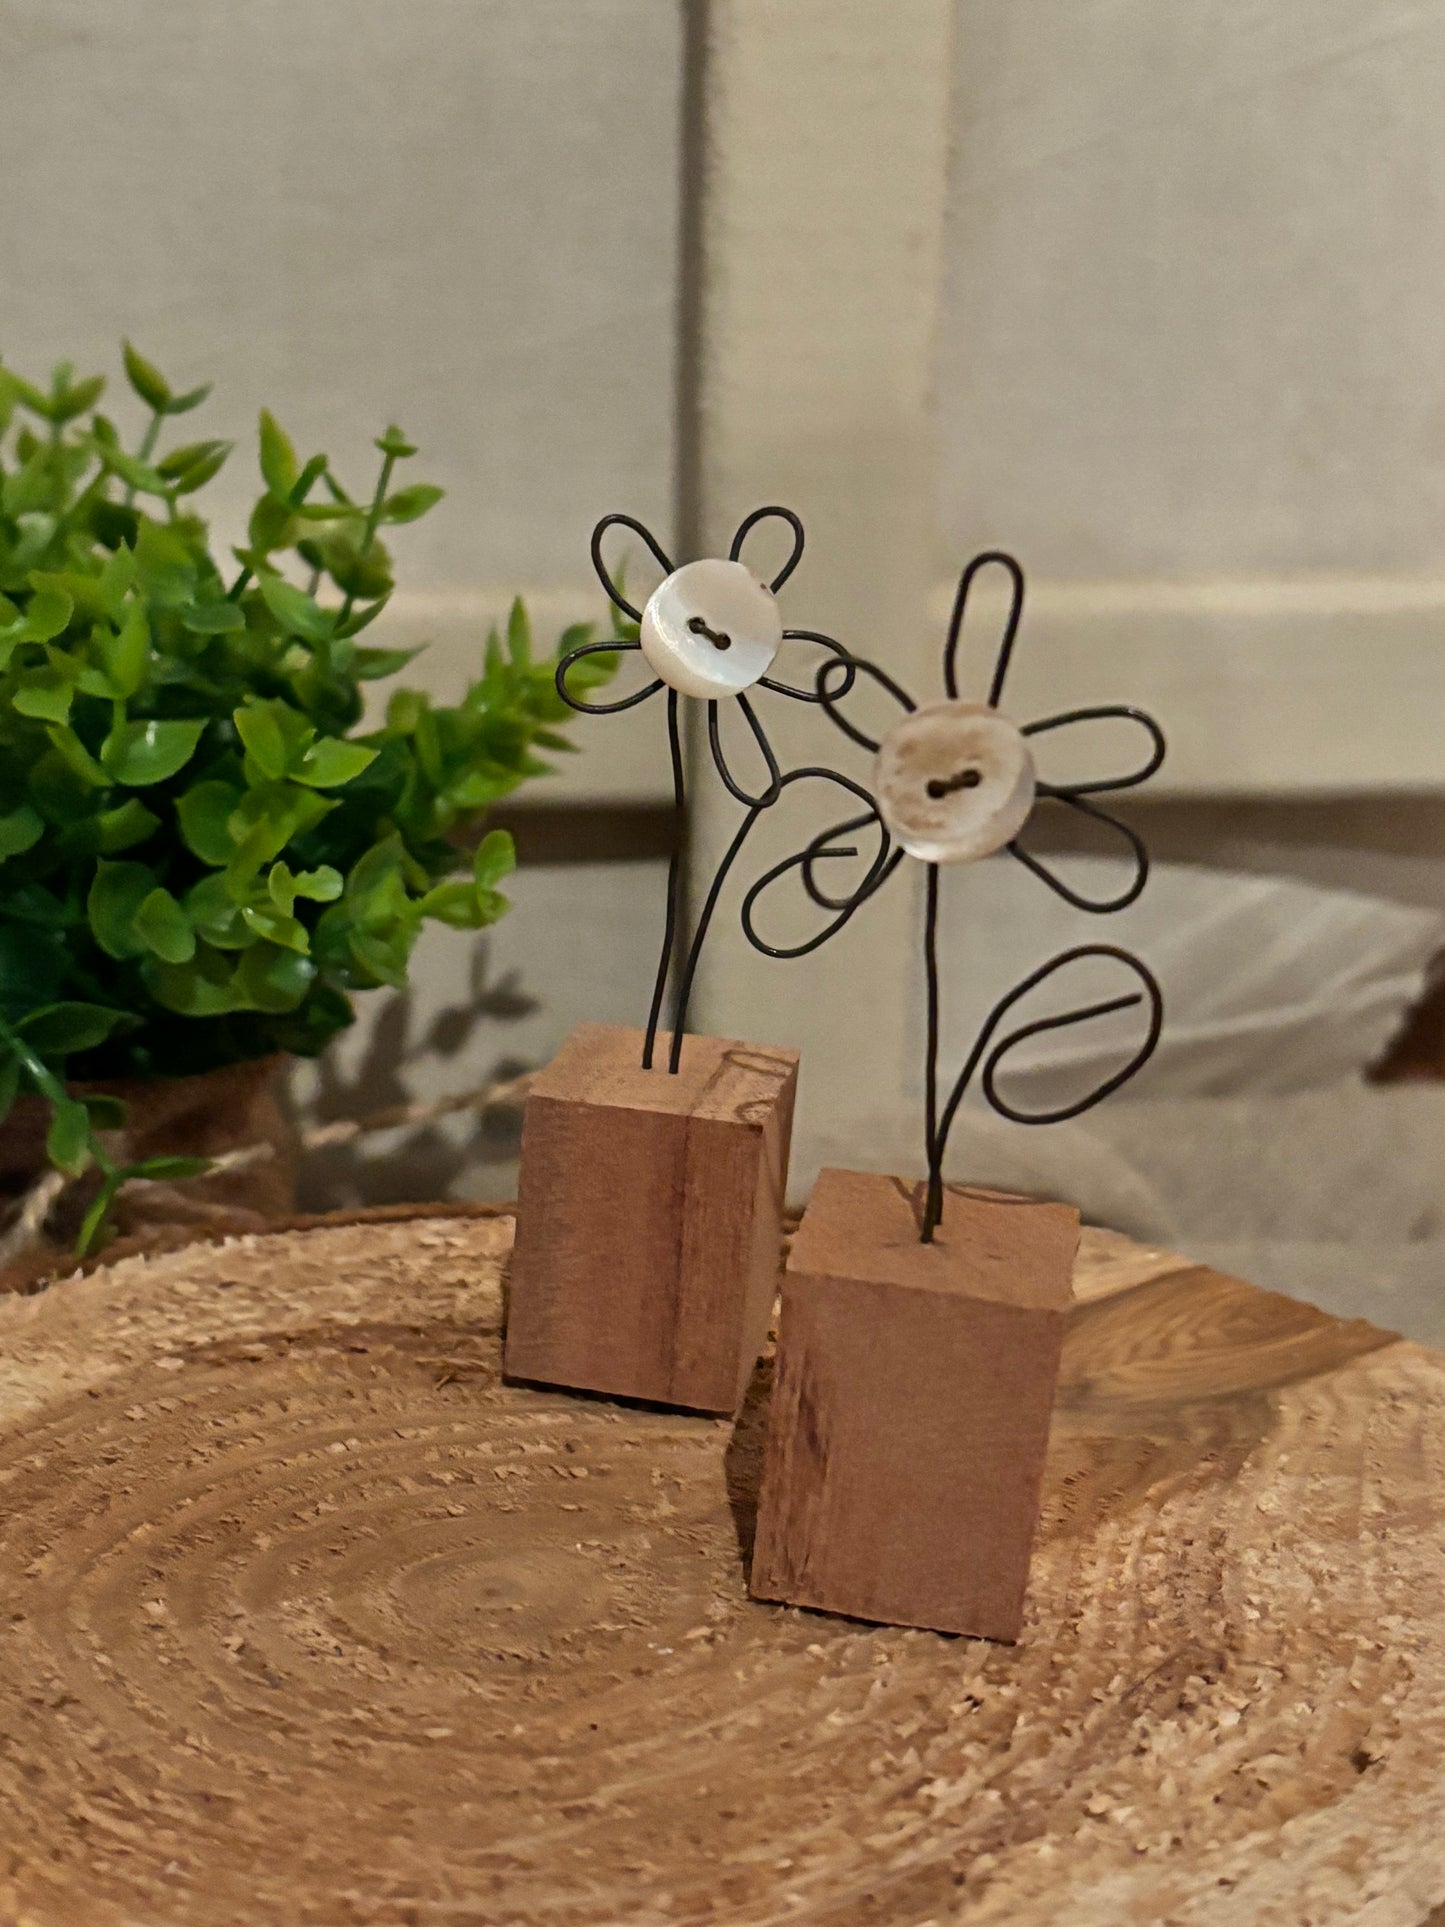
911, 1405
649, 1212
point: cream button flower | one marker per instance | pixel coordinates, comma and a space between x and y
954, 782
711, 629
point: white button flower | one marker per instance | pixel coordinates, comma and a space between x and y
711, 630
953, 782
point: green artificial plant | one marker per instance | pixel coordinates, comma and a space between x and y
205, 848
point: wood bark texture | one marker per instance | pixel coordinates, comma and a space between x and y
306, 1616
910, 1414
649, 1216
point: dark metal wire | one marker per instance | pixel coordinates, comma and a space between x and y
838, 659
885, 866
660, 555
830, 697
938, 1131
985, 1051
730, 784
811, 853
1097, 906
930, 1061
821, 848
772, 513
674, 887
1121, 712
983, 560
600, 649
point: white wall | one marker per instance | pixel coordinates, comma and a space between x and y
456, 213
1192, 309
1192, 368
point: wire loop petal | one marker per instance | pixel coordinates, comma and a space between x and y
771, 513
1114, 712
830, 696
600, 709
1096, 906
1009, 564
614, 593
837, 654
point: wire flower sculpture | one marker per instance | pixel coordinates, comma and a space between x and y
954, 781
711, 630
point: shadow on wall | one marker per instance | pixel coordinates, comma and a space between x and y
578, 943
427, 1160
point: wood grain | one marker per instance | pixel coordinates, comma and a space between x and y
307, 1617
910, 1415
648, 1219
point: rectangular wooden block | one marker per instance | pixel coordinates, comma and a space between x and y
649, 1213
911, 1405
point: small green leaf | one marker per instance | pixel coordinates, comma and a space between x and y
373, 664
204, 812
193, 397
134, 472
67, 1143
453, 903
274, 978
94, 682
306, 480
24, 392
204, 987
276, 926
141, 753
298, 613
519, 634
116, 580
44, 693
167, 1170
361, 618
395, 444
322, 885
204, 469
496, 858
122, 828
114, 901
126, 653
276, 812
177, 460
70, 402
20, 830
275, 735
265, 821
106, 1113
259, 730
281, 887
146, 379
60, 1030
77, 757
213, 618
164, 928
271, 526
96, 1222
279, 466
215, 913
331, 762
48, 613
408, 504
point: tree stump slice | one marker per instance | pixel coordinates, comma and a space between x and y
306, 1617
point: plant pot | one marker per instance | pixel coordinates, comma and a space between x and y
202, 1116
